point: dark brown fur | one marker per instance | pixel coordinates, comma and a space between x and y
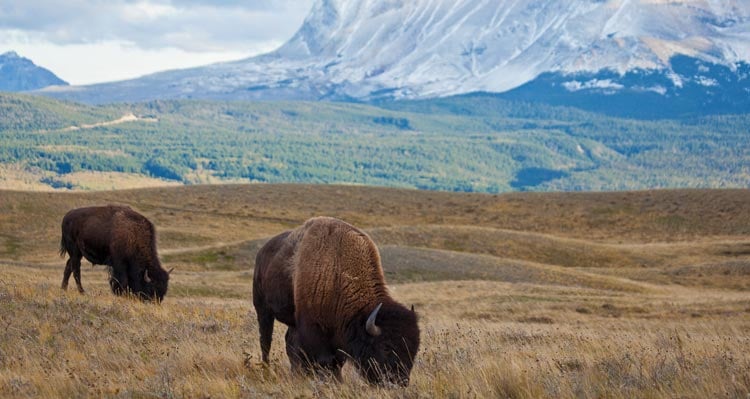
323, 280
120, 238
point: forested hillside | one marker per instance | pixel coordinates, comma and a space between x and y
469, 143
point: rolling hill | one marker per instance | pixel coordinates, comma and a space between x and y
544, 294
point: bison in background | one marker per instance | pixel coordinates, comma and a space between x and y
120, 238
324, 280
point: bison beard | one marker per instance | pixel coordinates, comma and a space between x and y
324, 281
120, 238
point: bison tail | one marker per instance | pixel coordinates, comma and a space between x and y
63, 251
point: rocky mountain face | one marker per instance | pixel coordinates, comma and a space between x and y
21, 74
404, 49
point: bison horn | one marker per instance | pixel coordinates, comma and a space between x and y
170, 271
412, 308
371, 328
146, 278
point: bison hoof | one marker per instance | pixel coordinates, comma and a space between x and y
251, 365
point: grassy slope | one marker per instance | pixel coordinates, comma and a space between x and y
632, 294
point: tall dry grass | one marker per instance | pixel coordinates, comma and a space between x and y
479, 340
612, 295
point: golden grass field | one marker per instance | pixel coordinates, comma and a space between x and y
621, 295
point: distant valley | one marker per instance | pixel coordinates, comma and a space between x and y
474, 143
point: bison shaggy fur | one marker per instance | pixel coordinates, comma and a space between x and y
324, 280
121, 238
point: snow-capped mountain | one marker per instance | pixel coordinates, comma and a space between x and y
18, 74
367, 49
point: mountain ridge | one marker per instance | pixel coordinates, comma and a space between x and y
366, 50
18, 73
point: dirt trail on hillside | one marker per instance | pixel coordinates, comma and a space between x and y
131, 117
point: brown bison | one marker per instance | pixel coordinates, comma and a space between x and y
324, 281
120, 238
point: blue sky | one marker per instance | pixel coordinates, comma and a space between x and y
90, 41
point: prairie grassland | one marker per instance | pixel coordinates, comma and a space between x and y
523, 295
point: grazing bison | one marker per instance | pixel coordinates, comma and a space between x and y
324, 281
120, 238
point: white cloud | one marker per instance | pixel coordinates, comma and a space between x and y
155, 23
108, 61
87, 41
148, 11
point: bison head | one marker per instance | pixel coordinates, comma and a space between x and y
387, 343
156, 284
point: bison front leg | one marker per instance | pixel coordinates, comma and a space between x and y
310, 351
136, 282
294, 352
118, 280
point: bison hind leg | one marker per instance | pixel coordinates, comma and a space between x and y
73, 266
265, 327
66, 274
77, 275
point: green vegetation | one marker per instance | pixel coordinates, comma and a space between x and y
26, 113
471, 143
